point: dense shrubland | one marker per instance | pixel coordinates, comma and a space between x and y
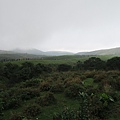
88, 90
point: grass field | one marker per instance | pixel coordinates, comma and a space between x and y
70, 59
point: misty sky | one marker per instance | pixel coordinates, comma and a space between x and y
71, 25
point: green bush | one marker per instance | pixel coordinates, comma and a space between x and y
31, 83
72, 80
115, 83
73, 90
3, 100
46, 100
58, 88
16, 116
100, 105
99, 77
66, 114
45, 86
89, 74
115, 95
1, 109
32, 110
64, 67
27, 93
13, 102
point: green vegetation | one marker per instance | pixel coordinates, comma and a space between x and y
84, 90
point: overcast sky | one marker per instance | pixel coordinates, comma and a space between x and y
71, 25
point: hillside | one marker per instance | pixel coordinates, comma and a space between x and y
113, 51
39, 52
19, 56
36, 54
6, 52
58, 53
29, 51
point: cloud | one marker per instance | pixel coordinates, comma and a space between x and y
59, 24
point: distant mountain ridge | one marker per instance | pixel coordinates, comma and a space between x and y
113, 51
6, 52
39, 52
29, 51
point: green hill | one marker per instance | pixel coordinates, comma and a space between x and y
113, 51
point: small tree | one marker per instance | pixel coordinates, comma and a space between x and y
64, 67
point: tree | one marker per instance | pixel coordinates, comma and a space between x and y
27, 70
79, 65
40, 68
11, 72
113, 63
94, 63
64, 67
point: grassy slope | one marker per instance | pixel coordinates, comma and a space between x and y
71, 59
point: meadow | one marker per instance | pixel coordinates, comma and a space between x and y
65, 59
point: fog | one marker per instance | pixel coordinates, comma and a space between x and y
66, 25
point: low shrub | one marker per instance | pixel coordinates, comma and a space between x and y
115, 83
69, 81
88, 82
1, 109
91, 90
64, 67
13, 102
115, 95
100, 105
113, 73
16, 116
27, 93
73, 90
46, 100
83, 77
58, 88
31, 83
32, 110
66, 114
10, 100
45, 86
99, 77
90, 74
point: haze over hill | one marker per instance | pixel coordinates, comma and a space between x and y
112, 51
39, 52
61, 25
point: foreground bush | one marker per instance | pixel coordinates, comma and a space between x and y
66, 114
31, 83
16, 116
73, 90
13, 103
45, 86
1, 109
32, 110
46, 100
64, 67
58, 88
27, 93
